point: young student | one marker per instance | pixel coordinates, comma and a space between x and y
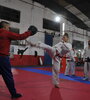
56, 53
70, 62
86, 58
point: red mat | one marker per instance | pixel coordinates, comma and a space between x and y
36, 86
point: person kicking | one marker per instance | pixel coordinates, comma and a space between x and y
56, 53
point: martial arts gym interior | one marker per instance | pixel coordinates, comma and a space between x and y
45, 49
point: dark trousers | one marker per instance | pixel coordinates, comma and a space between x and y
5, 71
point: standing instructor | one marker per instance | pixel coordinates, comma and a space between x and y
5, 40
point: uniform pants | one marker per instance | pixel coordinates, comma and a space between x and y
5, 70
70, 67
87, 69
56, 61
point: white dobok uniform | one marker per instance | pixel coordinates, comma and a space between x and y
55, 52
70, 62
86, 63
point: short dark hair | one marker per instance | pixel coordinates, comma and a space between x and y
2, 23
66, 34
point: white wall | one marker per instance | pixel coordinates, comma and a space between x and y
34, 15
77, 34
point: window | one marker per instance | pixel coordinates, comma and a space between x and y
16, 30
9, 14
51, 25
78, 44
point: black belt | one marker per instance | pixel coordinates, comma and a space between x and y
57, 54
87, 59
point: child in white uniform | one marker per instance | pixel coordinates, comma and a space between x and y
70, 64
87, 62
56, 52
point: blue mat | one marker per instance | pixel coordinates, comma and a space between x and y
62, 76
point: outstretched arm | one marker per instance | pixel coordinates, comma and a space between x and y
13, 36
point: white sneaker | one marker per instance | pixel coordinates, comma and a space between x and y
85, 79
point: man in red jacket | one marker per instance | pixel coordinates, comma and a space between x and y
5, 40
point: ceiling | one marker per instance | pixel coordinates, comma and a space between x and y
76, 11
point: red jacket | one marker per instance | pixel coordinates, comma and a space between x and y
6, 37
